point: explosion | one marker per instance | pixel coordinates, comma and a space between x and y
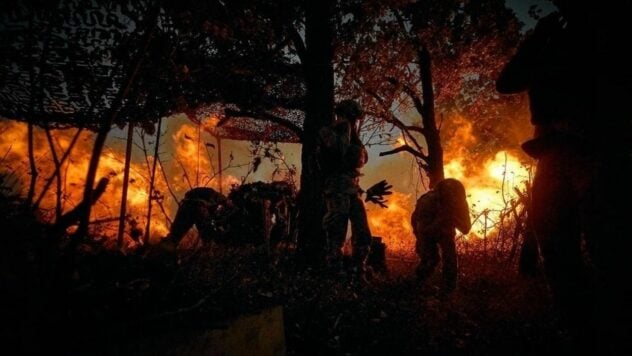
491, 185
490, 190
190, 165
392, 224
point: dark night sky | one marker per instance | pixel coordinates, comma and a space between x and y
521, 7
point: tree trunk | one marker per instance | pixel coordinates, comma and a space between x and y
318, 68
431, 132
128, 159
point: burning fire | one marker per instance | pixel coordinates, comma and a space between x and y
491, 190
392, 224
189, 166
490, 187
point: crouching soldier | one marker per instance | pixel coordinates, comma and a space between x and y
437, 213
199, 207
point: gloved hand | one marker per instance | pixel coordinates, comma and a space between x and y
375, 194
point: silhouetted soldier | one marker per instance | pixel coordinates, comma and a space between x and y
577, 83
437, 213
199, 207
341, 157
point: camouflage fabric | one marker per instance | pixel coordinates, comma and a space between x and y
437, 214
341, 208
342, 156
254, 213
197, 208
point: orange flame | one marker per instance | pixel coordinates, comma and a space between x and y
490, 188
191, 160
392, 224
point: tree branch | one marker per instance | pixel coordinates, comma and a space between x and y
419, 106
392, 119
405, 148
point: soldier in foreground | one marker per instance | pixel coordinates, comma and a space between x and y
437, 213
576, 72
341, 156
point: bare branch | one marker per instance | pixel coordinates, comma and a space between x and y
405, 148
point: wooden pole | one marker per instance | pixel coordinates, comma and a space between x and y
152, 180
128, 158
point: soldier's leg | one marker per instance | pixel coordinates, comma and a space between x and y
554, 218
429, 255
449, 260
335, 225
360, 230
528, 264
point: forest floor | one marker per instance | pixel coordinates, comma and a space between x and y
91, 301
110, 300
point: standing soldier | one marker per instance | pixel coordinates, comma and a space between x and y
341, 156
577, 75
437, 213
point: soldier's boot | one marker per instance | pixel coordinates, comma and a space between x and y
334, 260
359, 268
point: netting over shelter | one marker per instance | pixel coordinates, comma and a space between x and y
230, 123
82, 63
53, 59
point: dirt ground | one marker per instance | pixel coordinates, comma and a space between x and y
89, 300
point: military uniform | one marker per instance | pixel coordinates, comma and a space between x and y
343, 155
579, 90
437, 213
198, 208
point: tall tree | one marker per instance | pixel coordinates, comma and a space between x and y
416, 63
319, 77
279, 64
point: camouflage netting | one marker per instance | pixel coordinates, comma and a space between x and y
64, 64
272, 127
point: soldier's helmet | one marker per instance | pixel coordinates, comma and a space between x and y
349, 109
451, 189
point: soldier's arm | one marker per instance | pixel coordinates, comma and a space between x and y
327, 137
462, 220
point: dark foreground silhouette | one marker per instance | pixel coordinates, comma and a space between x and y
85, 300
